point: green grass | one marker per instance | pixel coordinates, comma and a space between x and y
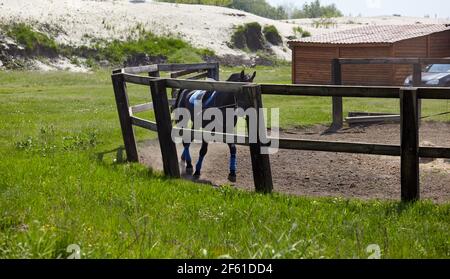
60, 185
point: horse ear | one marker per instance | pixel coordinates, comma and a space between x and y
253, 76
243, 75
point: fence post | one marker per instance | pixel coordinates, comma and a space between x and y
338, 111
164, 124
409, 144
120, 93
417, 82
262, 173
214, 73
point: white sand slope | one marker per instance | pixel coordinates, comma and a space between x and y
204, 26
77, 21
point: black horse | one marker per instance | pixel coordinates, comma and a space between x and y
210, 99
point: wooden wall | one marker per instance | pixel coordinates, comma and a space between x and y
366, 74
313, 64
439, 45
417, 47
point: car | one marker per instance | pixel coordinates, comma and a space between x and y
434, 75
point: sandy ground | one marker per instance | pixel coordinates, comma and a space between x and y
308, 173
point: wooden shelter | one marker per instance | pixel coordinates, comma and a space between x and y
312, 57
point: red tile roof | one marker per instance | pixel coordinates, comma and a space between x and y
376, 34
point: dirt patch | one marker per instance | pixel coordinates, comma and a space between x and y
308, 173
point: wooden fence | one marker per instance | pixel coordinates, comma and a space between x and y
336, 74
250, 94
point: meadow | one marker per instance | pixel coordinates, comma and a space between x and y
61, 184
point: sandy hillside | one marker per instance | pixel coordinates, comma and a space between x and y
78, 22
204, 26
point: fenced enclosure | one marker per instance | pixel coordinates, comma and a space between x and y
250, 94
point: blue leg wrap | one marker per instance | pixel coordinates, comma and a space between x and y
198, 167
186, 155
233, 163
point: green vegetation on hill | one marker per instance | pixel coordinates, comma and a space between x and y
260, 7
171, 49
257, 7
144, 45
316, 10
34, 42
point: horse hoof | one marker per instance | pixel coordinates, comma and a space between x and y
189, 170
232, 178
196, 175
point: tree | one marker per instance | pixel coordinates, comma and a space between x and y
316, 10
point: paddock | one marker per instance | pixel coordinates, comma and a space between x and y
327, 174
407, 147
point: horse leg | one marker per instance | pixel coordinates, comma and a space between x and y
186, 157
198, 166
233, 162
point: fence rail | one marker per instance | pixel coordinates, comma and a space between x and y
425, 93
409, 149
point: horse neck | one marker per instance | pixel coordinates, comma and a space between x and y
225, 99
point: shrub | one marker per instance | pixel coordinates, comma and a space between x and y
272, 36
248, 36
35, 43
300, 33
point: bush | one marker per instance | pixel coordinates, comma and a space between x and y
300, 33
170, 48
248, 36
35, 43
272, 36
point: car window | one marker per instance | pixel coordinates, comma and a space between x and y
439, 68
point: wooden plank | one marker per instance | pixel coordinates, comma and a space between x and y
224, 137
199, 76
340, 147
427, 61
230, 87
397, 61
262, 173
337, 103
215, 72
368, 61
180, 67
120, 93
182, 73
140, 69
361, 113
164, 127
154, 74
141, 108
149, 125
331, 90
141, 80
417, 82
409, 127
372, 119
434, 152
442, 93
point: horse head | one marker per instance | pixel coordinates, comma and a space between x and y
245, 78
